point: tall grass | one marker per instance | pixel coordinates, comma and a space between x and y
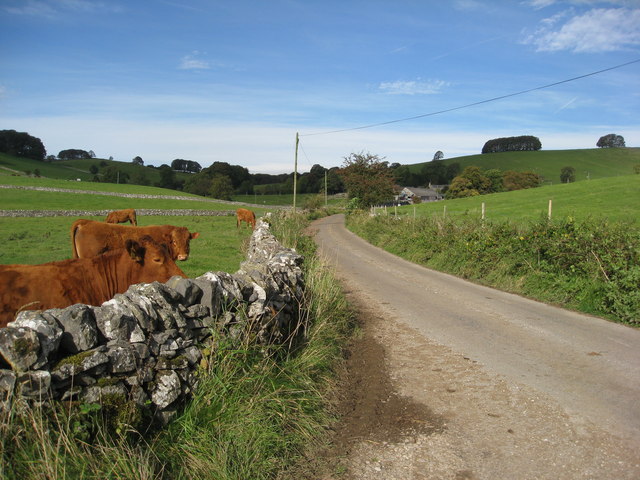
252, 415
591, 265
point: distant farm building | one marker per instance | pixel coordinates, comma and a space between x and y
407, 194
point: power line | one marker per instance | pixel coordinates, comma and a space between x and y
475, 103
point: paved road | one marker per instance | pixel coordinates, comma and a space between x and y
589, 365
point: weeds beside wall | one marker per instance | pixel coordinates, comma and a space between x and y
592, 265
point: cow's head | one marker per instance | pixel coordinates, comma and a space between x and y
179, 242
154, 260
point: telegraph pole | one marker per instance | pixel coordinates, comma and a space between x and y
295, 174
326, 201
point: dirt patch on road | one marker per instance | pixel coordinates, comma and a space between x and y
370, 408
411, 409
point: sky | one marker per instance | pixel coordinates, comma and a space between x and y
235, 80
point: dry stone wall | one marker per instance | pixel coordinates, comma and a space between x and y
145, 345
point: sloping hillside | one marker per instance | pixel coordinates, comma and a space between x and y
616, 198
589, 163
74, 169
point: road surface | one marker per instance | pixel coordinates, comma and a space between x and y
580, 374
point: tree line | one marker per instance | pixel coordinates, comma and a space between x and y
368, 179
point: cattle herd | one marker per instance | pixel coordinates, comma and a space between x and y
107, 258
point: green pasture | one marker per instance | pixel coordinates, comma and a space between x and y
301, 199
90, 186
26, 240
74, 169
614, 198
589, 163
19, 199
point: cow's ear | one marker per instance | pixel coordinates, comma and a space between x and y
136, 251
195, 235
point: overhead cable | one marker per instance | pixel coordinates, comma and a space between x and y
475, 103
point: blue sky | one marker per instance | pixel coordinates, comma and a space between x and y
234, 81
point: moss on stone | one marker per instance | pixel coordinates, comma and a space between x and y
75, 360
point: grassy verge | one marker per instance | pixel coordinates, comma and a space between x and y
250, 418
591, 265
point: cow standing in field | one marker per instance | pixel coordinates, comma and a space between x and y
122, 216
244, 215
90, 281
90, 238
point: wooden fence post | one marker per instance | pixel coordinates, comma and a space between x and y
482, 210
550, 204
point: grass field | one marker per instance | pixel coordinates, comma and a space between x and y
590, 163
301, 199
19, 199
40, 240
74, 169
616, 198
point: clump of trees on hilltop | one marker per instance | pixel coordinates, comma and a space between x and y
21, 144
75, 154
611, 141
512, 144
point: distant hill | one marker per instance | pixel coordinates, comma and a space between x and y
74, 169
589, 163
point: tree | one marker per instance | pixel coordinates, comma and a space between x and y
139, 178
137, 161
519, 180
368, 178
93, 169
471, 182
221, 187
611, 141
21, 144
112, 174
198, 185
568, 175
334, 182
512, 144
188, 166
438, 155
496, 180
74, 154
167, 178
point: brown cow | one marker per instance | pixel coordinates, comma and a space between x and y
244, 215
90, 238
122, 216
91, 281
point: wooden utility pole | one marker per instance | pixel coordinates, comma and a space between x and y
326, 199
295, 174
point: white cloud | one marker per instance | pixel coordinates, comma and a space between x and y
539, 4
413, 87
192, 62
598, 30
